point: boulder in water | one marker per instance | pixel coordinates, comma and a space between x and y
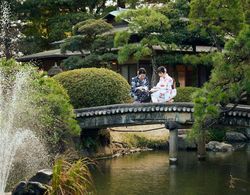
29, 188
235, 137
219, 147
43, 176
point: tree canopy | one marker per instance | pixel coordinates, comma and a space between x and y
93, 40
148, 25
218, 19
229, 82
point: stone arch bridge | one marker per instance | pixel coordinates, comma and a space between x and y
152, 113
175, 116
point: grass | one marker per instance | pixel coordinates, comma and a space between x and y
151, 139
71, 178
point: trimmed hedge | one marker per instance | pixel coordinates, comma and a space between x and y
89, 87
184, 94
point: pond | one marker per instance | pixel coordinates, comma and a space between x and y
150, 173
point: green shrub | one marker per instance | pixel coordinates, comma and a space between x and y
57, 112
184, 94
43, 104
94, 87
216, 134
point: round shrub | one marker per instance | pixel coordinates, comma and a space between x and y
89, 87
184, 94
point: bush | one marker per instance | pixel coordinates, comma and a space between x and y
43, 104
184, 94
89, 87
216, 134
58, 114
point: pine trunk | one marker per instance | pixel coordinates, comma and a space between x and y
154, 78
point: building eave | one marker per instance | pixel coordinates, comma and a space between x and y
55, 53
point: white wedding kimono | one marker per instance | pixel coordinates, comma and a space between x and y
164, 89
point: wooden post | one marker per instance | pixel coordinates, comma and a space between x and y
201, 150
173, 141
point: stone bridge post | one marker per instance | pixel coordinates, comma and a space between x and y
201, 147
173, 141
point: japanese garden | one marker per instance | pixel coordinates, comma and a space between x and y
124, 97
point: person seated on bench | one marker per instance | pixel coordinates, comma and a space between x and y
163, 91
140, 87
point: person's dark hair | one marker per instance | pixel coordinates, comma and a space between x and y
141, 71
161, 69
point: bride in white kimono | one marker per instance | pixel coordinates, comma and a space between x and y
163, 91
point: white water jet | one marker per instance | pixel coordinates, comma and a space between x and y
10, 34
15, 134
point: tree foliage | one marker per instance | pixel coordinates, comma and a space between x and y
48, 21
219, 19
229, 82
93, 40
199, 59
148, 25
180, 33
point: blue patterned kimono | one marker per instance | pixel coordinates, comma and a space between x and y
140, 89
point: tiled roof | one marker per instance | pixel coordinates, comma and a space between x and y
116, 12
50, 54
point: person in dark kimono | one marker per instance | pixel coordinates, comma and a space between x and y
140, 87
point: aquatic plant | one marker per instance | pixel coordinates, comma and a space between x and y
71, 178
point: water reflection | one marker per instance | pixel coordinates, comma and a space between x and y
150, 173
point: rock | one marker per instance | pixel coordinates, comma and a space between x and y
247, 133
219, 147
35, 185
184, 144
238, 146
116, 155
43, 176
19, 188
29, 188
235, 137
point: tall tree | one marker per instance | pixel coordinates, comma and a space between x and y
93, 39
148, 25
219, 19
48, 21
180, 34
229, 82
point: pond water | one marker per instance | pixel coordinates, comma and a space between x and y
150, 173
